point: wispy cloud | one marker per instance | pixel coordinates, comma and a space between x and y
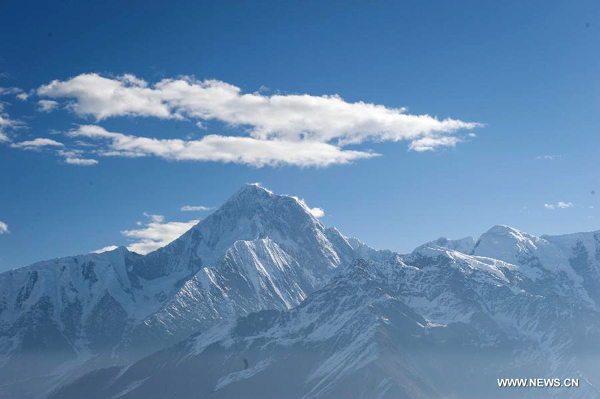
47, 105
547, 157
70, 156
155, 218
227, 149
37, 144
75, 157
156, 233
316, 211
4, 228
433, 142
293, 123
81, 161
563, 205
105, 249
153, 234
195, 208
559, 205
9, 90
6, 123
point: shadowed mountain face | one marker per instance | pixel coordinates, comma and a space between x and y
259, 300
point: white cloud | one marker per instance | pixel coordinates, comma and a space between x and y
195, 208
47, 105
155, 218
37, 143
433, 142
74, 157
300, 120
316, 212
71, 156
23, 96
7, 123
81, 161
546, 157
228, 149
564, 205
105, 249
559, 205
156, 233
4, 228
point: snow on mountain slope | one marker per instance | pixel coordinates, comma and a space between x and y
464, 245
258, 251
253, 275
574, 256
67, 309
517, 247
273, 303
417, 329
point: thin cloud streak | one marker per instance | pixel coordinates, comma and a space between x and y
195, 208
37, 143
227, 149
559, 205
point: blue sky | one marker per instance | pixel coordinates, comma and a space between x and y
305, 97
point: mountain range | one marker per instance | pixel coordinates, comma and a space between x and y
261, 300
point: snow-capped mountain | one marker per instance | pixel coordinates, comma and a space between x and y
63, 317
441, 325
260, 300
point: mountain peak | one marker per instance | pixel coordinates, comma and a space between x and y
503, 236
254, 212
505, 229
515, 246
252, 190
253, 198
